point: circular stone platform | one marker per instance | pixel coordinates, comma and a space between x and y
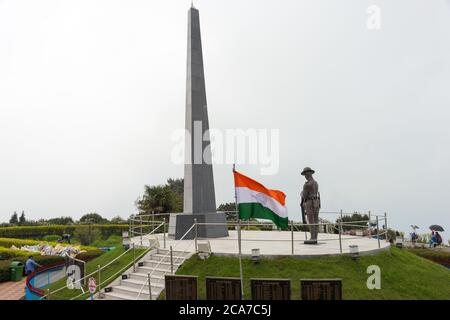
275, 243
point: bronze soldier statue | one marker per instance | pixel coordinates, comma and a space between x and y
310, 203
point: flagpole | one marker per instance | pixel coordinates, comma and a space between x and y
239, 238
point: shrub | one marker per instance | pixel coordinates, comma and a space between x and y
51, 238
8, 242
38, 232
4, 270
436, 255
86, 236
93, 218
42, 260
6, 253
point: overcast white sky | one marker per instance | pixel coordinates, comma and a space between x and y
91, 91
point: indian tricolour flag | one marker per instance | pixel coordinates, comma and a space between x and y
256, 201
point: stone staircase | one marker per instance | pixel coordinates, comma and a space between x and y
157, 264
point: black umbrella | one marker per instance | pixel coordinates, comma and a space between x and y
436, 227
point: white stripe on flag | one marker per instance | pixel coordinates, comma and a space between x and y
246, 195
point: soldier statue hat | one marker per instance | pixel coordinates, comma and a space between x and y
307, 169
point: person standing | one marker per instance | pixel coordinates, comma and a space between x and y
31, 265
92, 287
433, 240
311, 203
438, 238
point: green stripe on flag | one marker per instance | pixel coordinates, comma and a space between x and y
256, 210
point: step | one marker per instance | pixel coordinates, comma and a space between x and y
132, 292
137, 283
117, 296
154, 271
144, 277
160, 264
174, 253
166, 258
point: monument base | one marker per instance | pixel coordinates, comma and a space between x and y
180, 223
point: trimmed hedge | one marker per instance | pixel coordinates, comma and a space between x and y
42, 260
8, 242
6, 253
51, 238
38, 232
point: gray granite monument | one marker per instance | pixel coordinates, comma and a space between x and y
199, 195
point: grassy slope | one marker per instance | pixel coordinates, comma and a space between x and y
92, 266
403, 274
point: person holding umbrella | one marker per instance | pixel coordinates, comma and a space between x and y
436, 238
433, 240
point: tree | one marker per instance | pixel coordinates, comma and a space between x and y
60, 221
166, 198
230, 206
93, 218
87, 235
177, 188
354, 219
22, 219
14, 219
118, 220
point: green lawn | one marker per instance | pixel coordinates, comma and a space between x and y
403, 274
91, 266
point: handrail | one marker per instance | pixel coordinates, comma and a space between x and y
132, 217
134, 261
141, 234
149, 233
335, 225
153, 231
162, 259
271, 224
120, 271
86, 276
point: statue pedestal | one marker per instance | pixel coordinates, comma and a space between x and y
180, 223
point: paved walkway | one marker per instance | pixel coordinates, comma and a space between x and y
12, 290
276, 243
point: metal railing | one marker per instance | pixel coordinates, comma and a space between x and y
114, 276
100, 268
170, 252
87, 276
338, 226
138, 224
373, 220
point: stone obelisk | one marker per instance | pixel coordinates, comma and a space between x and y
199, 195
